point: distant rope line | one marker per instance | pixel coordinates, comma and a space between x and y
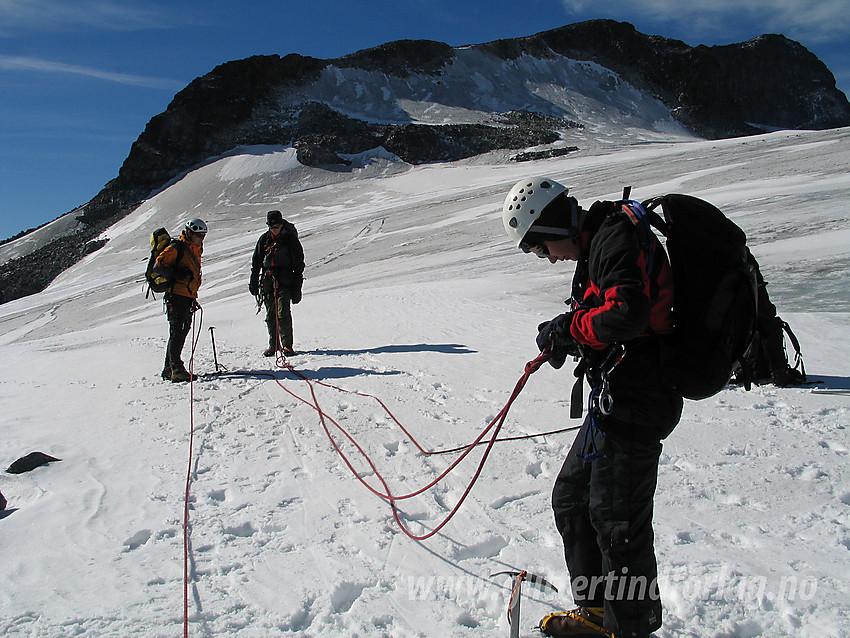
195, 336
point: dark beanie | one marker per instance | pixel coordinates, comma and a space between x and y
274, 218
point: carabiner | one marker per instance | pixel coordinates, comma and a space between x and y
606, 400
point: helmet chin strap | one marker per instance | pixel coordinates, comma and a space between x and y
573, 230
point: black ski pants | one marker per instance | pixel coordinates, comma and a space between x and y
179, 310
603, 511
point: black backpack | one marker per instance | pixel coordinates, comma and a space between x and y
714, 296
160, 280
771, 362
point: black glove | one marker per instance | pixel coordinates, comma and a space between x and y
296, 295
555, 336
254, 289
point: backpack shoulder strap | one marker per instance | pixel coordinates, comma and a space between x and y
798, 355
179, 247
655, 220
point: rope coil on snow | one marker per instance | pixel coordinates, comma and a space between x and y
495, 425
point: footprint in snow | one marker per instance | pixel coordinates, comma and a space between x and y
485, 549
391, 448
245, 530
504, 500
137, 540
534, 469
344, 596
684, 538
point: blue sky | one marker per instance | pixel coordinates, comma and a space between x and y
80, 79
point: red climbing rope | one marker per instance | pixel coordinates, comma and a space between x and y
195, 337
495, 425
493, 428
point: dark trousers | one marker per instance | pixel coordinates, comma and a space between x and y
603, 510
278, 313
179, 310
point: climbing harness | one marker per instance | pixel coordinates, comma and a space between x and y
604, 400
601, 401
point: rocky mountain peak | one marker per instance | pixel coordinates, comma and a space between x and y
426, 101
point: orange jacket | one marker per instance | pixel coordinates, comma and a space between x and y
187, 272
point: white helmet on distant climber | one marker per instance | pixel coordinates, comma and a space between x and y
525, 203
196, 226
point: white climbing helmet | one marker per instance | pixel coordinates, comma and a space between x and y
524, 204
196, 226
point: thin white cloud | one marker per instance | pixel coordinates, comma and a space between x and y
802, 20
29, 64
62, 15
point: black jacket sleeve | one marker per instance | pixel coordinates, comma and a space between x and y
616, 306
257, 261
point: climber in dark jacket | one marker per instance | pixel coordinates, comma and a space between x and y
619, 321
277, 272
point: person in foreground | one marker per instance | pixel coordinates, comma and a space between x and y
180, 262
277, 272
619, 319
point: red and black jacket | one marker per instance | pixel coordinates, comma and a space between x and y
623, 294
621, 290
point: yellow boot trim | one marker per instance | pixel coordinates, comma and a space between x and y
576, 615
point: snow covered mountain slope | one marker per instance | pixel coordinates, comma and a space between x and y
478, 87
414, 295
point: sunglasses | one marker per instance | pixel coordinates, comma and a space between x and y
538, 249
276, 226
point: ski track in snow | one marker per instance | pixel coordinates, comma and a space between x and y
412, 294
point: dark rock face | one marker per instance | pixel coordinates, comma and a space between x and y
687, 79
401, 58
714, 91
779, 83
32, 273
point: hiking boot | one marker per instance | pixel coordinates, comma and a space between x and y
288, 352
578, 623
166, 373
269, 352
181, 375
787, 376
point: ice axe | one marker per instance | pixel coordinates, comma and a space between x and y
516, 594
218, 368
